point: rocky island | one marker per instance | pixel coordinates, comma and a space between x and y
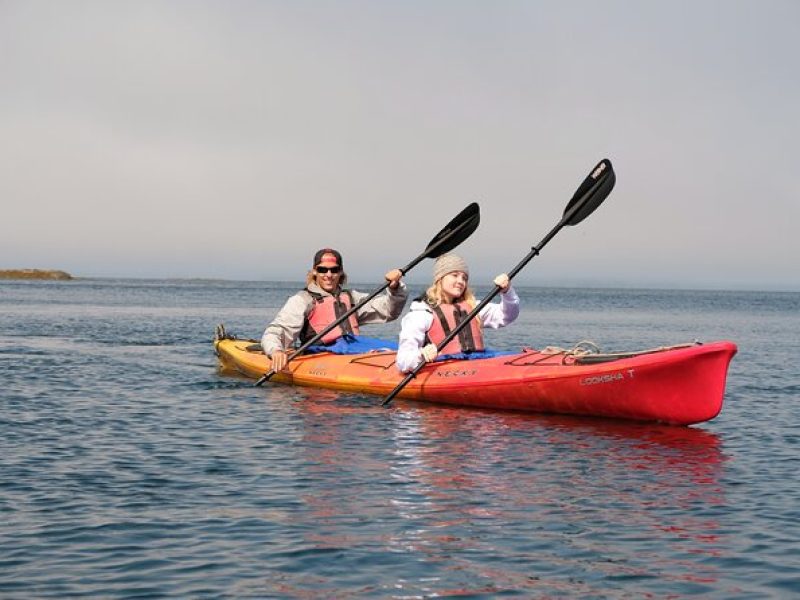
33, 274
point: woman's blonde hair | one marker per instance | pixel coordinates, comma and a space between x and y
434, 295
311, 277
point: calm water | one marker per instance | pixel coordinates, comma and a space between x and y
129, 468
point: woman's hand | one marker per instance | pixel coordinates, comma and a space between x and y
278, 359
503, 282
393, 277
429, 353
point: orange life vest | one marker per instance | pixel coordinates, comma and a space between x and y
446, 317
325, 311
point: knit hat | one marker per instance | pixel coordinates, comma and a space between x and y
327, 257
447, 263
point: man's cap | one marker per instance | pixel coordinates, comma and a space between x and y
327, 257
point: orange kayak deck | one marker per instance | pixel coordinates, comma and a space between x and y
679, 385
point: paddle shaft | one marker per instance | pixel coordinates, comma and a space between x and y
568, 215
429, 251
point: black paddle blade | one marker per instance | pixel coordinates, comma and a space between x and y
591, 193
455, 232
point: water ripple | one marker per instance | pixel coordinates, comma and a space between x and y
132, 468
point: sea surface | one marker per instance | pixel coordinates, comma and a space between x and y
131, 468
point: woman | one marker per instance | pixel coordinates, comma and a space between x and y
322, 301
445, 304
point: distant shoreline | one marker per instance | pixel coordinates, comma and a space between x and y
55, 275
34, 274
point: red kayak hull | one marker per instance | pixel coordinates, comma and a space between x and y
679, 386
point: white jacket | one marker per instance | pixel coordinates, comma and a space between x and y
418, 320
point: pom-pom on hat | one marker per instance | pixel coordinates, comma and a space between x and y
327, 257
447, 263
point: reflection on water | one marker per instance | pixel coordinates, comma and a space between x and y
600, 499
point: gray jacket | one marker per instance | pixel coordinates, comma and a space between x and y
285, 328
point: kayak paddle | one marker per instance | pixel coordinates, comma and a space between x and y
455, 232
591, 193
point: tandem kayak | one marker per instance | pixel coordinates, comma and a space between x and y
678, 385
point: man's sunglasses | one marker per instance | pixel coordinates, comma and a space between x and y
332, 270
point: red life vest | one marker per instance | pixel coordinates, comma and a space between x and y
326, 310
446, 317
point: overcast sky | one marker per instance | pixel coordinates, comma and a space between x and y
231, 139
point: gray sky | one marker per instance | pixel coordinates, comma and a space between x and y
233, 138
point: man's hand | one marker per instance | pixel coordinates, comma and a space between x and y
278, 359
